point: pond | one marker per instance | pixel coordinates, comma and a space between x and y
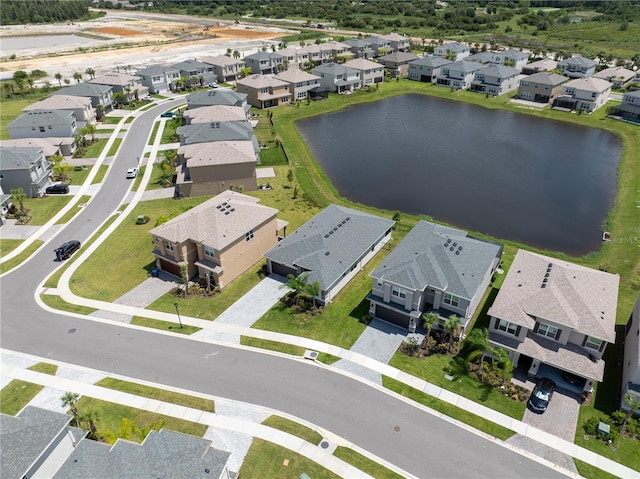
544, 183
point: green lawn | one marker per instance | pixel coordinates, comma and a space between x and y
284, 348
159, 394
293, 428
56, 302
43, 209
364, 464
73, 211
591, 472
265, 460
100, 175
12, 263
164, 325
8, 245
94, 149
16, 395
45, 368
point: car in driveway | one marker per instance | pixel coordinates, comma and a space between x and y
67, 249
59, 189
132, 173
168, 114
541, 395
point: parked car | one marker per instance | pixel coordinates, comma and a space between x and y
213, 85
541, 395
573, 379
132, 172
67, 249
59, 189
168, 114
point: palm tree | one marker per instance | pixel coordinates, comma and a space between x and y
236, 54
119, 98
91, 72
228, 52
18, 196
452, 327
430, 319
91, 418
633, 405
30, 83
502, 362
313, 291
58, 76
99, 111
297, 283
77, 76
70, 400
478, 342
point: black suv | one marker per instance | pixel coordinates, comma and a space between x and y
67, 249
58, 189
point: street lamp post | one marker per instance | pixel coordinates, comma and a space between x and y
178, 313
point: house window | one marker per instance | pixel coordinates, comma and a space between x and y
548, 331
168, 246
248, 236
451, 299
592, 343
209, 251
508, 327
398, 292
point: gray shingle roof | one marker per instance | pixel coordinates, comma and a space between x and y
465, 66
216, 97
579, 61
43, 117
334, 69
398, 57
84, 89
215, 131
547, 78
422, 259
156, 70
431, 61
188, 65
580, 298
500, 71
481, 57
18, 158
330, 243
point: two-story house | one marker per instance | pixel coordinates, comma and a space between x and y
453, 51
337, 78
544, 65
129, 85
577, 67
214, 113
101, 95
360, 47
584, 94
620, 77
426, 69
264, 91
554, 317
397, 42
218, 131
225, 68
264, 63
217, 240
195, 72
397, 63
331, 248
44, 124
218, 97
458, 75
495, 80
300, 82
25, 168
631, 364
370, 72
80, 106
629, 109
434, 268
542, 87
159, 78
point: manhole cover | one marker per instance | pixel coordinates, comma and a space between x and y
72, 330
324, 444
396, 429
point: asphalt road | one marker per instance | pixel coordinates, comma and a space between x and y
391, 428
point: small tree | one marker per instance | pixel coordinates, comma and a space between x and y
478, 342
70, 400
452, 327
91, 72
396, 217
429, 320
633, 405
236, 54
184, 274
297, 283
290, 176
58, 76
295, 192
18, 196
77, 76
91, 418
313, 291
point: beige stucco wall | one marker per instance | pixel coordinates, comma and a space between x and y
214, 179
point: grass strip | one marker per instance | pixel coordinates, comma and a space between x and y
68, 216
293, 428
448, 409
16, 395
365, 464
13, 262
591, 472
46, 368
100, 175
56, 302
284, 348
185, 400
164, 325
8, 245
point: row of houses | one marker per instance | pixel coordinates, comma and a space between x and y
552, 316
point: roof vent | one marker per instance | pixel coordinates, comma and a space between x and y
344, 221
219, 206
339, 225
543, 285
348, 218
545, 280
458, 252
448, 240
331, 232
226, 212
326, 236
327, 253
445, 245
225, 203
546, 275
232, 209
455, 244
335, 228
459, 248
451, 249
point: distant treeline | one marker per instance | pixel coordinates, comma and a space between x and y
20, 12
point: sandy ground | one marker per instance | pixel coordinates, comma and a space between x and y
133, 41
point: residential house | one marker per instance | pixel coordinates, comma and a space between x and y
544, 65
80, 106
397, 63
335, 51
49, 146
426, 69
338, 78
264, 91
211, 168
380, 45
629, 109
434, 268
631, 364
620, 77
129, 85
217, 240
38, 443
44, 124
159, 78
370, 72
218, 97
295, 57
484, 57
25, 168
458, 75
195, 72
300, 82
360, 47
553, 317
214, 113
101, 95
314, 54
397, 42
264, 63
495, 80
331, 248
5, 204
226, 69
577, 67
512, 58
218, 131
452, 51
542, 87
584, 94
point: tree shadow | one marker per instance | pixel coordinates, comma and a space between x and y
609, 394
360, 310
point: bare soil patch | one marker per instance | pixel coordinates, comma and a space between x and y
122, 32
